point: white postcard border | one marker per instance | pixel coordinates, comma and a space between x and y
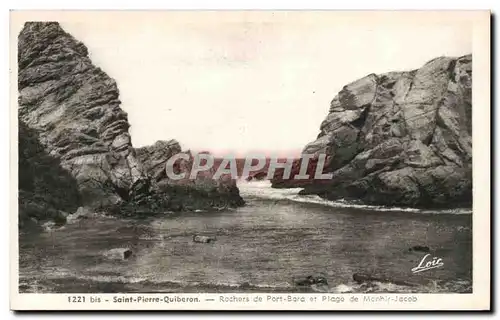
478, 300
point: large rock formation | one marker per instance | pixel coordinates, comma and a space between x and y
400, 138
186, 193
47, 192
75, 109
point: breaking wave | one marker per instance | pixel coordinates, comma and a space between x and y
263, 190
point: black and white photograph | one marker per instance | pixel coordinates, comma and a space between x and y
311, 153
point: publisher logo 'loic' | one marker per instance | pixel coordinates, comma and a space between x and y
428, 263
308, 166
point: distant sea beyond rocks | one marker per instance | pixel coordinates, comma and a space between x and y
396, 139
399, 138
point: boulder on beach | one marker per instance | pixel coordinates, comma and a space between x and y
81, 213
419, 249
367, 278
310, 280
203, 239
118, 253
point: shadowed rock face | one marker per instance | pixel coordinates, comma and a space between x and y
400, 138
47, 192
74, 106
191, 194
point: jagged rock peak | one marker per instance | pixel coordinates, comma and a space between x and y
75, 107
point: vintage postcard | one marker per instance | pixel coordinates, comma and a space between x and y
250, 160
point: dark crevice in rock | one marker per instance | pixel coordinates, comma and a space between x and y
451, 71
428, 140
360, 121
451, 78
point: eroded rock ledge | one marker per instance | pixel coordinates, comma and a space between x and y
400, 138
74, 109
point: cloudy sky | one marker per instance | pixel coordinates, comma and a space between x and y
242, 82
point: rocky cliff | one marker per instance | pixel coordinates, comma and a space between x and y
186, 193
47, 192
400, 138
74, 108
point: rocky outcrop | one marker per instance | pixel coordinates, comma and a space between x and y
47, 192
400, 138
191, 194
74, 107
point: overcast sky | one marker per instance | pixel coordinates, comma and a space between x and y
243, 82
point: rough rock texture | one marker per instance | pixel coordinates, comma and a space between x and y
47, 192
202, 192
75, 109
401, 138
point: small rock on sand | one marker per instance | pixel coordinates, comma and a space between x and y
118, 253
419, 249
203, 239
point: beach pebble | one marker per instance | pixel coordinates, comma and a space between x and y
203, 239
419, 249
118, 253
310, 280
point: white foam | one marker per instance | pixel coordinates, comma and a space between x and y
342, 288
